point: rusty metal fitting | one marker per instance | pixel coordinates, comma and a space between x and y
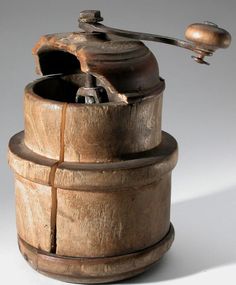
90, 16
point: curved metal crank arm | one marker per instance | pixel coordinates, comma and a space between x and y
100, 28
204, 38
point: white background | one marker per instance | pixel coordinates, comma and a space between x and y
199, 111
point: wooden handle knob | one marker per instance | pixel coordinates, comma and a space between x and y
208, 35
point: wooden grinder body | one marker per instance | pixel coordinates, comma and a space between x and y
93, 181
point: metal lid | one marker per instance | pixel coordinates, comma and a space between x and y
126, 67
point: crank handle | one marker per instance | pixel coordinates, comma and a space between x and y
203, 38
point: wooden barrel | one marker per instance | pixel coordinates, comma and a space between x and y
92, 182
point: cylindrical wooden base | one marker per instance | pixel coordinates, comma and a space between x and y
92, 184
111, 221
95, 270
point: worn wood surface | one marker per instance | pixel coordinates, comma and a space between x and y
95, 270
97, 209
88, 209
93, 181
109, 132
26, 163
134, 171
127, 67
33, 213
94, 133
42, 124
112, 223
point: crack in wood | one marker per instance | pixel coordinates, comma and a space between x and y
53, 234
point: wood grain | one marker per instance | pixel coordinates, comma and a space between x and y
95, 270
93, 181
134, 171
112, 223
42, 124
108, 132
92, 133
33, 212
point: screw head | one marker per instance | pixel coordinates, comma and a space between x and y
210, 24
90, 16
